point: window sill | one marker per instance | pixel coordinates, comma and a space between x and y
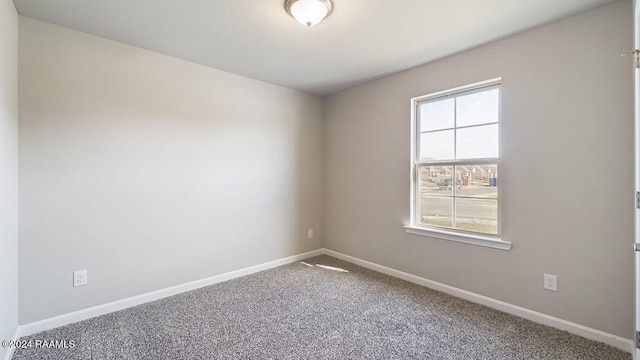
471, 239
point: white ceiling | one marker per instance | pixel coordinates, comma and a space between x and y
361, 40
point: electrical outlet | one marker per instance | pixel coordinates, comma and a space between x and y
310, 233
550, 282
79, 278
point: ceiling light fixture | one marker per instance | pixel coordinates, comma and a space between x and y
308, 12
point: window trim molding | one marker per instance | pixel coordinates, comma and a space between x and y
442, 233
457, 90
459, 236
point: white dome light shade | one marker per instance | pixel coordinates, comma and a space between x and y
308, 12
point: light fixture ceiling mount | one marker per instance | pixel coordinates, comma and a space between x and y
308, 12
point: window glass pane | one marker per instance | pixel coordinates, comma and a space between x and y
480, 215
436, 180
478, 108
479, 181
436, 115
477, 142
461, 127
436, 211
436, 145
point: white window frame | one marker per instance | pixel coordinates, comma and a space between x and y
462, 236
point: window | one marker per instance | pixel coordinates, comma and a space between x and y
456, 161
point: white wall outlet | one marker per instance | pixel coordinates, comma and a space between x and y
310, 233
79, 278
550, 282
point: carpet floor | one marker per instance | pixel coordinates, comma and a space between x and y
321, 308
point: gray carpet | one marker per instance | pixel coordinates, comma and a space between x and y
306, 311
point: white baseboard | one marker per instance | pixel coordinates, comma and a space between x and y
544, 319
84, 314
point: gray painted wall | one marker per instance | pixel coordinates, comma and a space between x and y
567, 175
8, 171
149, 171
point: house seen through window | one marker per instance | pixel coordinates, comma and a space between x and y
457, 159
